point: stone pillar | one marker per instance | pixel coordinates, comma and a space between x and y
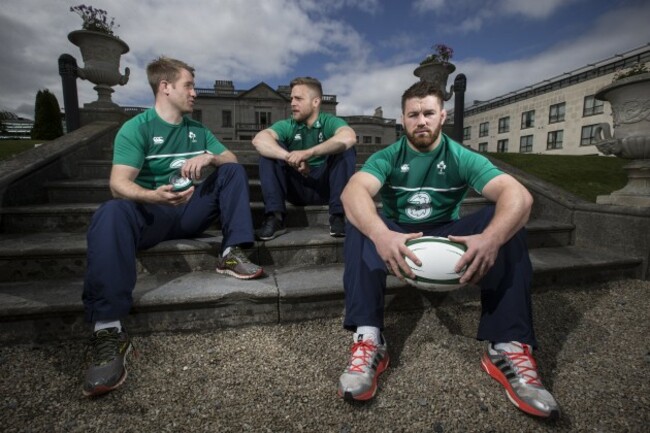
68, 72
459, 87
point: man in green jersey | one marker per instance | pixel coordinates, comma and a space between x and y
162, 191
306, 160
422, 180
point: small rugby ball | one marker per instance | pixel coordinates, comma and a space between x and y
439, 257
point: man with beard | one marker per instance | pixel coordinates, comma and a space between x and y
422, 180
306, 159
161, 193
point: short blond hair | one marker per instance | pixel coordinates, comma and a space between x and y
310, 82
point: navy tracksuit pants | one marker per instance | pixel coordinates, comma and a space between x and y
505, 290
323, 185
120, 228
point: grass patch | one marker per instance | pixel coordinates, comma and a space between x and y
9, 148
585, 176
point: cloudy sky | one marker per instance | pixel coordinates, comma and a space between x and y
364, 51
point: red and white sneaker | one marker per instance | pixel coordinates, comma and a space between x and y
515, 368
367, 361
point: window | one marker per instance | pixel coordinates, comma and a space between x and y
528, 119
263, 118
554, 140
556, 113
482, 147
226, 119
502, 146
526, 144
588, 136
592, 106
484, 129
367, 139
467, 133
377, 140
197, 115
504, 125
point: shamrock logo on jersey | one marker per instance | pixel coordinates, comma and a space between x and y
441, 167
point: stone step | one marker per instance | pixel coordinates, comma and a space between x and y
246, 147
53, 255
250, 156
201, 300
98, 190
101, 169
75, 217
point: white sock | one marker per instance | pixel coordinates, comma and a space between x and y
511, 346
104, 324
225, 252
369, 333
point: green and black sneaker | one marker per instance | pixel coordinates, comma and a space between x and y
108, 369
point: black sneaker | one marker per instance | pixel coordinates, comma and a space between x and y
272, 227
337, 225
108, 368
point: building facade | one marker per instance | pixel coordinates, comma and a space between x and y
240, 114
556, 116
14, 127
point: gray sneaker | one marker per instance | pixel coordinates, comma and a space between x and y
236, 263
516, 370
108, 368
367, 361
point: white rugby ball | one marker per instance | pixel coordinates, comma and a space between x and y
439, 257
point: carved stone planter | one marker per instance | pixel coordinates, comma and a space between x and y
101, 55
437, 73
630, 101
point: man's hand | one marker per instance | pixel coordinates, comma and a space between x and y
392, 249
298, 160
193, 167
166, 195
479, 258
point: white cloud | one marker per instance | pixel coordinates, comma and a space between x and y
249, 42
532, 8
223, 39
489, 80
428, 5
476, 14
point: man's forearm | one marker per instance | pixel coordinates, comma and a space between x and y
512, 212
267, 146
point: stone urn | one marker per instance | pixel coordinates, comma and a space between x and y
437, 73
101, 55
630, 101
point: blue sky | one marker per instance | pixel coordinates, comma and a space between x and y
364, 51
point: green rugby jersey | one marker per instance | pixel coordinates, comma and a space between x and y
298, 136
158, 149
427, 187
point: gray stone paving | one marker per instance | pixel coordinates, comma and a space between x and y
594, 356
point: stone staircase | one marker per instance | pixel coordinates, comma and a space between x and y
50, 194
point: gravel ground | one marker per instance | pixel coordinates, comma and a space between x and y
594, 357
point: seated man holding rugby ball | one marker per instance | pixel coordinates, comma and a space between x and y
158, 157
422, 180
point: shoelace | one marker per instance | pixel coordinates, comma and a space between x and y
361, 351
105, 344
238, 254
525, 365
269, 222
